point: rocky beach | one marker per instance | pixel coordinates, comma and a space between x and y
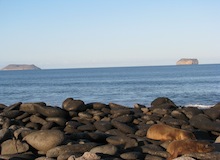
93, 131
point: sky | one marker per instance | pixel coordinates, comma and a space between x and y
108, 33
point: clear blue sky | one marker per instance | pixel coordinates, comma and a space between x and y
103, 33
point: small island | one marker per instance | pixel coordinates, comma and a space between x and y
187, 61
21, 67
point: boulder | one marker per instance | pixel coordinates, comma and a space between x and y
74, 105
163, 102
12, 146
203, 122
43, 140
105, 149
75, 148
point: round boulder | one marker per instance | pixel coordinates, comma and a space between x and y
44, 140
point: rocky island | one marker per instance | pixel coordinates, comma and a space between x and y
187, 61
21, 67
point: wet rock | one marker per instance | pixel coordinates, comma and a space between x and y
43, 140
66, 102
105, 149
13, 147
75, 105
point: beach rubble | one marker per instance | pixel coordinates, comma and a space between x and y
93, 131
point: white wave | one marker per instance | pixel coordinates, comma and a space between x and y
201, 106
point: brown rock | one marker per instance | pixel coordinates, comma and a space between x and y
43, 140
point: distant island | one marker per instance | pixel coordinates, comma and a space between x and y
187, 61
21, 67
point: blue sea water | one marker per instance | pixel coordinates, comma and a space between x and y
185, 85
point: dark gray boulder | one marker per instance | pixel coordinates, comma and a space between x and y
201, 121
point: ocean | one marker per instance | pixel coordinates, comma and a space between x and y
187, 85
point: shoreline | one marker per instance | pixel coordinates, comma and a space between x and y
102, 131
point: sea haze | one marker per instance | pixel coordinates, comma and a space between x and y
197, 85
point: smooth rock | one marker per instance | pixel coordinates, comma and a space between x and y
125, 118
213, 113
190, 112
76, 148
13, 147
205, 156
75, 105
217, 139
58, 120
103, 125
105, 149
131, 155
123, 127
202, 122
88, 156
163, 102
43, 140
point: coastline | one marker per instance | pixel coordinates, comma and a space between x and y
101, 131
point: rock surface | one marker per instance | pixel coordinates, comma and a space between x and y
21, 67
102, 131
187, 61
